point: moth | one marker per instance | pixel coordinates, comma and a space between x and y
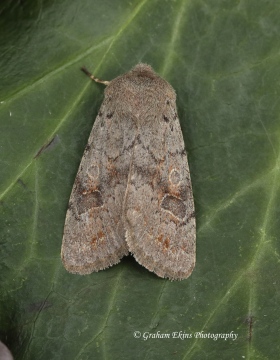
133, 193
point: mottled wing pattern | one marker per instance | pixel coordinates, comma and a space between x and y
133, 189
94, 235
160, 218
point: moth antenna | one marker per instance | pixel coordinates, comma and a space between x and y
85, 70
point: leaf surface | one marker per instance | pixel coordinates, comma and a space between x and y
222, 57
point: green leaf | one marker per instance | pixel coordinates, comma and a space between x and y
222, 57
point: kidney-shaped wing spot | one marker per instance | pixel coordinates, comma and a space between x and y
94, 235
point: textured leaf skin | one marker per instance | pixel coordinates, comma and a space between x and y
221, 57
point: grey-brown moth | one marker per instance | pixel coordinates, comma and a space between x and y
133, 193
